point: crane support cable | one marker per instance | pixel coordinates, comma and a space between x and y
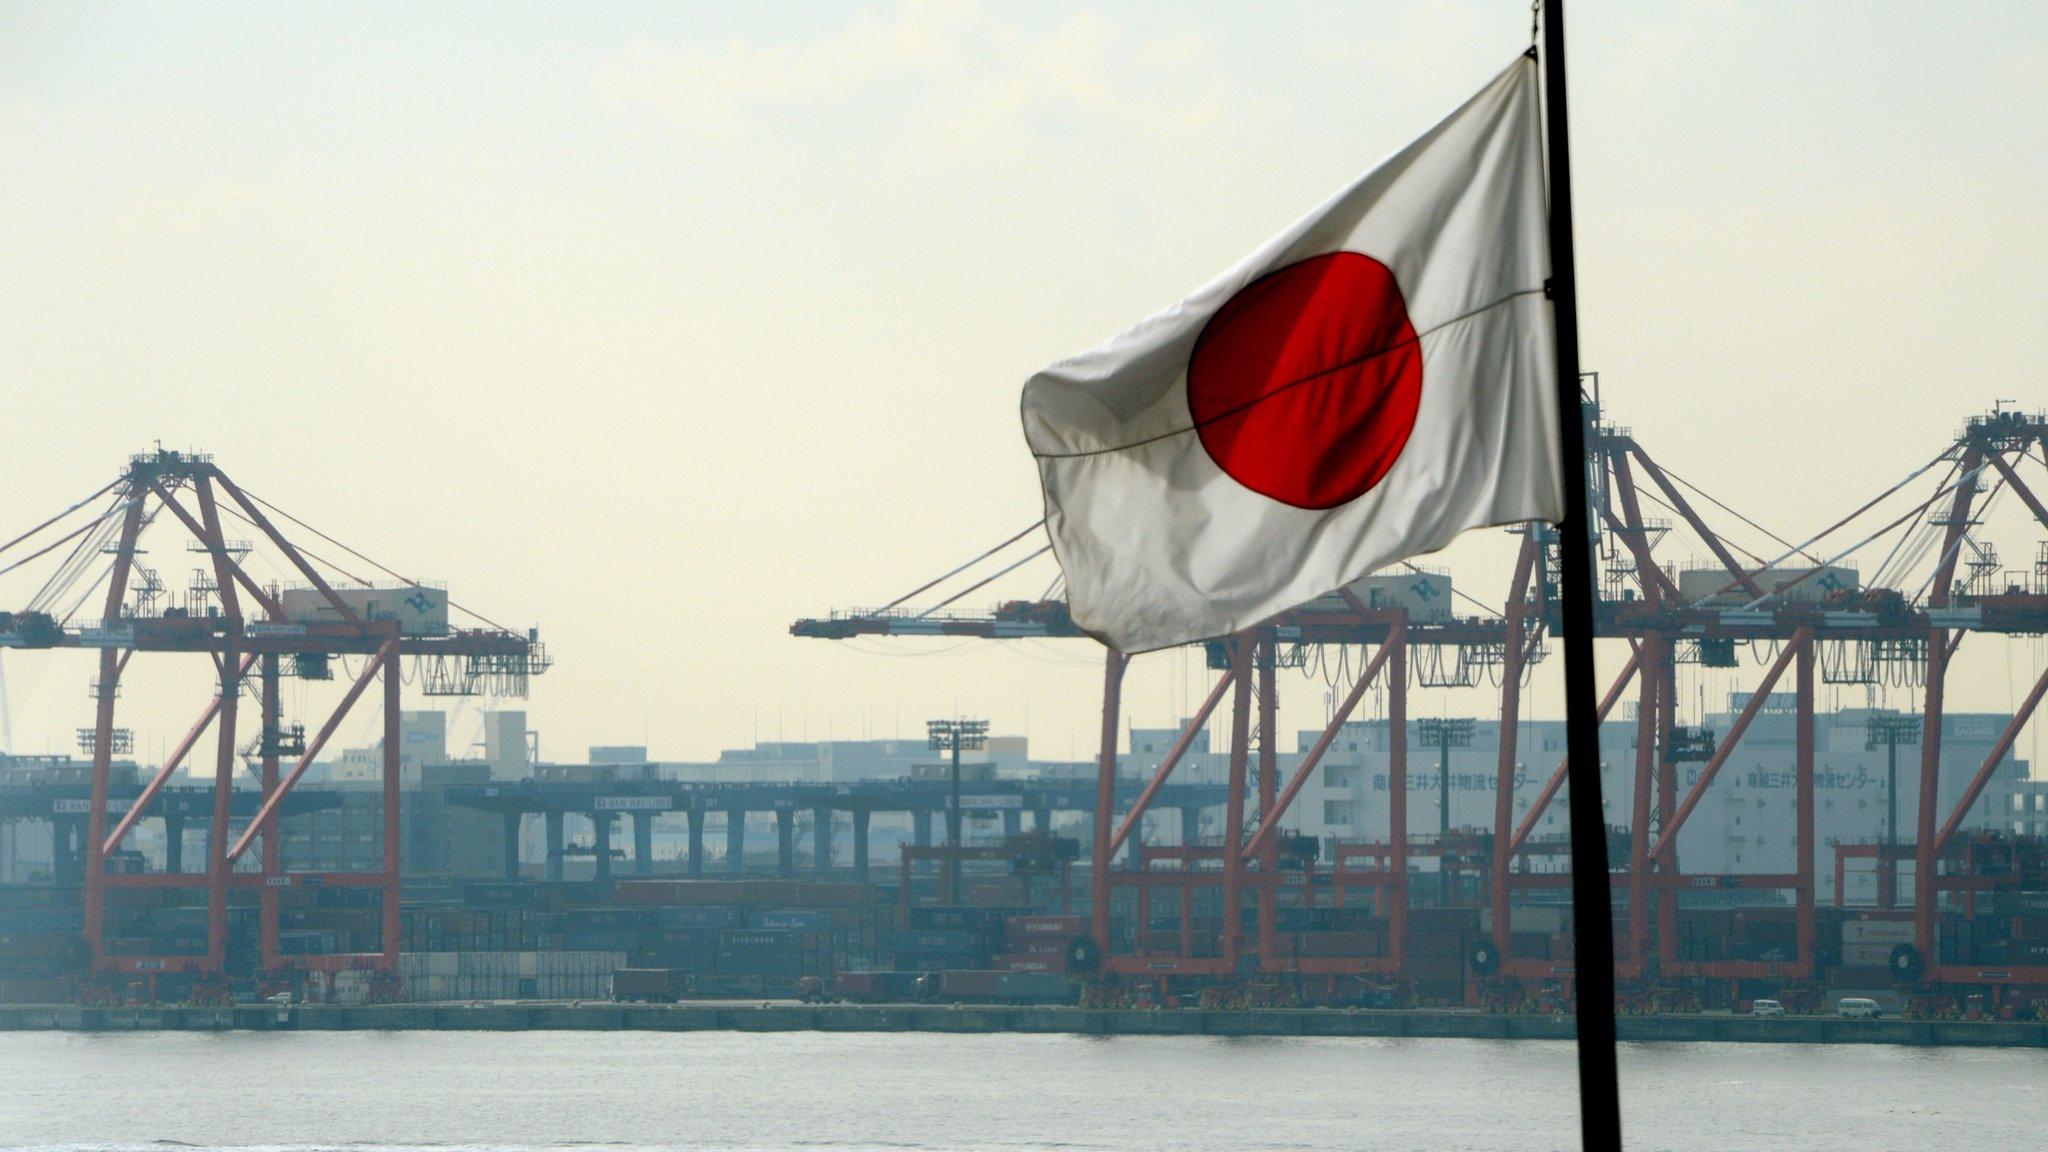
103, 532
1948, 556
67, 538
1906, 550
984, 582
1052, 586
1757, 557
407, 580
86, 592
338, 570
91, 588
1709, 498
1874, 501
104, 489
1851, 549
930, 584
308, 553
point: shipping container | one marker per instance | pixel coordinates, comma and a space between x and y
1872, 931
745, 893
1861, 975
1868, 954
428, 976
1542, 920
700, 916
957, 917
1061, 928
880, 987
37, 990
658, 985
418, 610
977, 986
1018, 962
765, 952
605, 918
15, 897
1034, 988
2028, 952
799, 919
937, 939
305, 943
1332, 944
1426, 943
1428, 919
15, 921
602, 939
42, 952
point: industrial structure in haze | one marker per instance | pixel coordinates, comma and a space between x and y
887, 794
1704, 911
255, 637
1748, 824
1794, 810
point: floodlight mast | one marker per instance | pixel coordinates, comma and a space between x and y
952, 736
1889, 730
1444, 734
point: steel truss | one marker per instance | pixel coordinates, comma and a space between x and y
248, 637
1876, 633
1889, 626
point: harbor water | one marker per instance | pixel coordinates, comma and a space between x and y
368, 1091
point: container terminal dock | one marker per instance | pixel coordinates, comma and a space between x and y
718, 1016
1387, 875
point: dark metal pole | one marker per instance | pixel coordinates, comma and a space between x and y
1443, 823
1885, 871
1592, 904
953, 830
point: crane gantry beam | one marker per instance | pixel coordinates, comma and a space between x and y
1783, 608
213, 622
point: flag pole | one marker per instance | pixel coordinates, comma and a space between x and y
1592, 910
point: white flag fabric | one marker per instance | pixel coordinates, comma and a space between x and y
1368, 384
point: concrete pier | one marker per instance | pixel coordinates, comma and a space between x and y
643, 843
821, 841
735, 840
512, 822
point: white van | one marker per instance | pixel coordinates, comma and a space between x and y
1766, 1008
1858, 1008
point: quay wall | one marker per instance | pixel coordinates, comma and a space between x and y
783, 1017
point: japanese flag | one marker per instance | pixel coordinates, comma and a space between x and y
1368, 384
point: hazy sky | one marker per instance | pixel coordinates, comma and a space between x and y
661, 325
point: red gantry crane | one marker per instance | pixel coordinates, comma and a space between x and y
255, 636
1798, 608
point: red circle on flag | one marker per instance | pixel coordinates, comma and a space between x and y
1304, 386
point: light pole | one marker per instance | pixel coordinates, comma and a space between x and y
952, 736
1889, 730
1444, 735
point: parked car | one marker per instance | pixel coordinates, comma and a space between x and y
1766, 1008
1858, 1008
